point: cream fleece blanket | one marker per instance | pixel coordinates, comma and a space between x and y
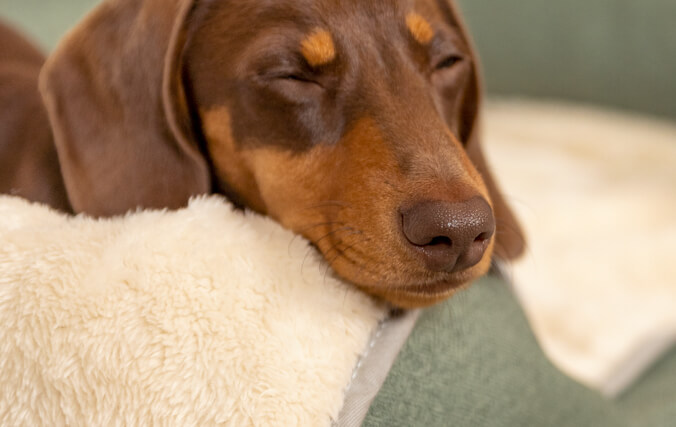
596, 193
197, 317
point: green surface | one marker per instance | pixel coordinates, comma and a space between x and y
652, 400
473, 361
45, 20
614, 52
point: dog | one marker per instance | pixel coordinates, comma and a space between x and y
353, 123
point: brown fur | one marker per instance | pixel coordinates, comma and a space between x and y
310, 112
29, 166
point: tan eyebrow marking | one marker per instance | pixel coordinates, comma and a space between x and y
318, 48
420, 28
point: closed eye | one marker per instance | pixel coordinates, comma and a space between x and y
448, 62
295, 87
296, 78
290, 77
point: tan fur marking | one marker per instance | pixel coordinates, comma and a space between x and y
229, 163
344, 197
318, 48
420, 28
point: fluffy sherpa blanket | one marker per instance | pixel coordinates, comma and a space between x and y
196, 317
596, 193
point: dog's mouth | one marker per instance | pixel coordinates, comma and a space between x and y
401, 281
432, 289
389, 267
418, 295
432, 285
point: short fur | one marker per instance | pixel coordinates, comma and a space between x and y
153, 101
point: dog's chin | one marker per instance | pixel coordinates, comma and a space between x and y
411, 293
407, 286
395, 273
419, 295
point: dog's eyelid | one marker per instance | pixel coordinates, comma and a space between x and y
446, 41
448, 61
297, 78
292, 63
290, 80
445, 54
300, 75
295, 68
277, 59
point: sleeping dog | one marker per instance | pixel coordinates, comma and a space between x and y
352, 122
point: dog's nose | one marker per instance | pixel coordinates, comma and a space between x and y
450, 236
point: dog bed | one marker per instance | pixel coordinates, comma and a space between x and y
208, 316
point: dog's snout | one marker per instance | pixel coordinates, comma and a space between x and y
450, 236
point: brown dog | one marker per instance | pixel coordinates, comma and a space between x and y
28, 161
353, 123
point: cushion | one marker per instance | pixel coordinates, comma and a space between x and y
473, 361
194, 317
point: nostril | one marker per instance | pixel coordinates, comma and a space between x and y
440, 241
482, 237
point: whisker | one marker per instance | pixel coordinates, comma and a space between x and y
340, 253
315, 243
319, 224
362, 268
340, 241
346, 228
343, 253
299, 232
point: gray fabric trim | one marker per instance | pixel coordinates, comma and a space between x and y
374, 366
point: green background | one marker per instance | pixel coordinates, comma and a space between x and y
614, 52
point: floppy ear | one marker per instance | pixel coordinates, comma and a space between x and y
510, 240
117, 107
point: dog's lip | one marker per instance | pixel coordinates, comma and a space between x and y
430, 289
435, 288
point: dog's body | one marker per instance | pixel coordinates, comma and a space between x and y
353, 123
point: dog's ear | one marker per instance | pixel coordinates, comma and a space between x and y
510, 240
118, 110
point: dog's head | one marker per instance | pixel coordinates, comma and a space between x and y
353, 123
